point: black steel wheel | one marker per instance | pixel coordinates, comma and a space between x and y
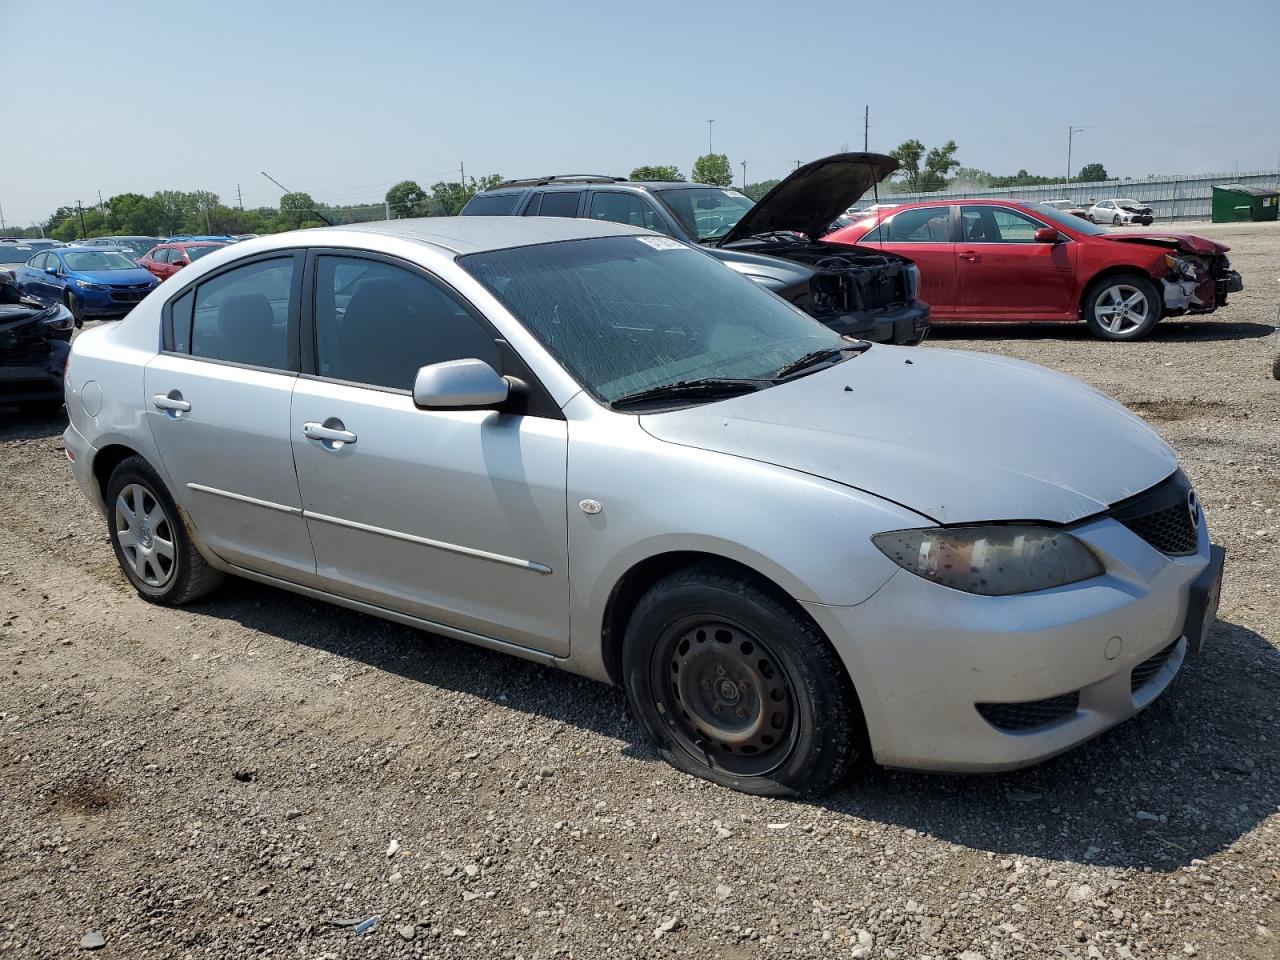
725, 694
732, 681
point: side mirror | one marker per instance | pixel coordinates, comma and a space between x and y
177, 264
1046, 235
51, 271
458, 384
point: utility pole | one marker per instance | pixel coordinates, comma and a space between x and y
797, 164
239, 195
744, 176
80, 210
709, 150
386, 209
99, 199
866, 127
462, 174
1071, 132
1, 219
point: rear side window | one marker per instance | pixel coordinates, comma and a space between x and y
491, 205
161, 255
242, 316
376, 324
560, 203
926, 225
625, 208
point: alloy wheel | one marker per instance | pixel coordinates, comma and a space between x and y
724, 695
145, 534
1121, 308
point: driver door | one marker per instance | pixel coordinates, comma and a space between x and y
451, 516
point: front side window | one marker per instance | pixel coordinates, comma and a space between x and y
91, 260
625, 208
560, 203
242, 316
376, 324
997, 225
623, 314
706, 214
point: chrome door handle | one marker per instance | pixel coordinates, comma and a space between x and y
176, 404
328, 434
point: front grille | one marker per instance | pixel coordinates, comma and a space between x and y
1149, 667
128, 296
1166, 516
1030, 713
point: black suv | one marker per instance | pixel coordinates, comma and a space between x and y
857, 291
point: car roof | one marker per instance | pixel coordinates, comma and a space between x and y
463, 235
193, 243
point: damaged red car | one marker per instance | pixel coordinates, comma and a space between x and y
1002, 260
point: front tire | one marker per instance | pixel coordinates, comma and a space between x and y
1122, 307
1115, 221
732, 683
150, 539
77, 313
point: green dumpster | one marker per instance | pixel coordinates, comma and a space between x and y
1234, 201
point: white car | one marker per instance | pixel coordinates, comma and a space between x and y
597, 447
1118, 212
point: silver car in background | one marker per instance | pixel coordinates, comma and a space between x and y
596, 447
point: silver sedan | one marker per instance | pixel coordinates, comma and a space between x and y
597, 448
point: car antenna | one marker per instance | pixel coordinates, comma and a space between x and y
287, 190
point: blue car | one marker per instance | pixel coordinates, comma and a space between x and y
91, 281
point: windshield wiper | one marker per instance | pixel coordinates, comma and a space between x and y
812, 359
706, 388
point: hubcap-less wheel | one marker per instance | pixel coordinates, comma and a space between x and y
1121, 308
145, 535
724, 695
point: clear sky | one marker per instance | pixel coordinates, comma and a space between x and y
343, 99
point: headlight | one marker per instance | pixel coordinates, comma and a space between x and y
89, 285
993, 561
1181, 268
913, 282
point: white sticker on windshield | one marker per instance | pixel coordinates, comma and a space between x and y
662, 243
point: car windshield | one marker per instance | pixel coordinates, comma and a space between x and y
91, 260
709, 213
1063, 219
625, 314
195, 253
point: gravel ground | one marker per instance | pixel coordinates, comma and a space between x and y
250, 775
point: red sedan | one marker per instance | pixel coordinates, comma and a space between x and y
986, 260
166, 259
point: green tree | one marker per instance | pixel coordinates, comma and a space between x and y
450, 197
657, 172
132, 213
757, 190
925, 170
407, 199
713, 169
296, 211
1092, 172
79, 224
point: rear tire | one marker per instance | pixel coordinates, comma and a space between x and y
732, 683
1122, 307
150, 538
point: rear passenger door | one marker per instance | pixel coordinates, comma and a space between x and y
217, 399
452, 516
923, 234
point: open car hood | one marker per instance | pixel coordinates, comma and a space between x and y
813, 196
1186, 242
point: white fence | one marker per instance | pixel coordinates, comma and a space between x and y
1170, 198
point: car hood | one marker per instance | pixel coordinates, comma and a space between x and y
1186, 242
114, 278
813, 196
956, 437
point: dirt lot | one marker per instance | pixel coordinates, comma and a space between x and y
246, 776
